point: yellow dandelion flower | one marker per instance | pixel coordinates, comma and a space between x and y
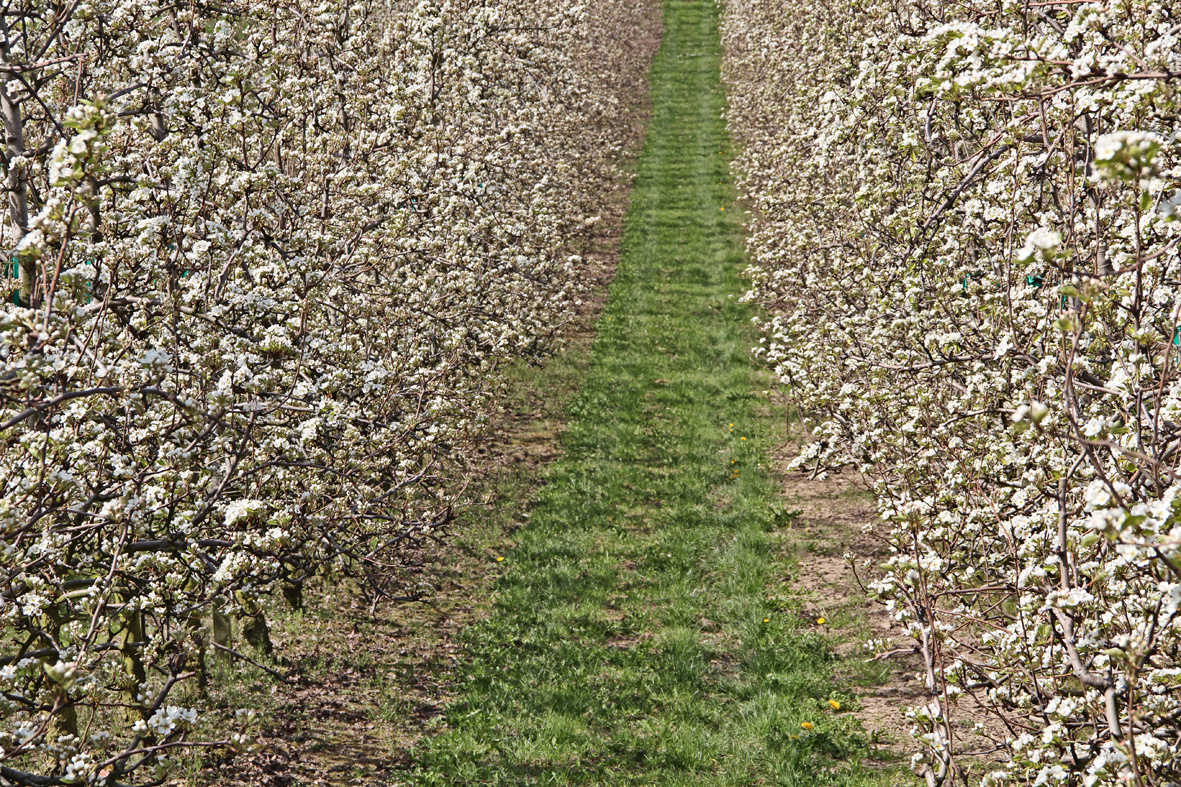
807, 725
835, 705
499, 559
820, 621
766, 620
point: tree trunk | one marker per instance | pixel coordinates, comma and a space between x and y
18, 197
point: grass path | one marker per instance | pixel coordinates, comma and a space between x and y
640, 632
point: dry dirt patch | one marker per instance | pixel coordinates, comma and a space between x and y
832, 514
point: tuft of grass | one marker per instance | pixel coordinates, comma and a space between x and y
635, 636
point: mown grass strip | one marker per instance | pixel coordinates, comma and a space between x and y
634, 638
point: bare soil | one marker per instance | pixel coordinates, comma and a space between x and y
834, 513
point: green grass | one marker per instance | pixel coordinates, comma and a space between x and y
639, 633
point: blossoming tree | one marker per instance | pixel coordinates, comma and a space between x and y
264, 262
965, 233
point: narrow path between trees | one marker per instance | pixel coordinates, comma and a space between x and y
641, 631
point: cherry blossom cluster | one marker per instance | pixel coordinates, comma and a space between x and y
263, 264
964, 231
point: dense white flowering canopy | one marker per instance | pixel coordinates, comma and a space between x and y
263, 262
965, 233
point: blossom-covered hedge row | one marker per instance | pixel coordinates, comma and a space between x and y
965, 235
263, 262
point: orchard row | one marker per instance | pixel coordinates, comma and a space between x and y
965, 232
263, 262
